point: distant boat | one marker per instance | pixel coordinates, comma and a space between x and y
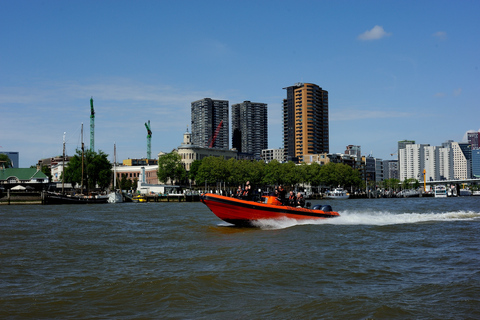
139, 198
465, 192
337, 193
57, 198
440, 191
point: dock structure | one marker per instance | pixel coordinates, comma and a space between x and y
188, 197
173, 198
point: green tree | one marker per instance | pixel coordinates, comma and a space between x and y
272, 173
170, 167
212, 170
290, 174
313, 174
339, 174
192, 174
409, 183
5, 161
125, 183
97, 170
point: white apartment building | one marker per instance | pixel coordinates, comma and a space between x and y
430, 163
412, 161
445, 163
460, 163
440, 163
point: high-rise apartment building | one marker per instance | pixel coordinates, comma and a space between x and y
473, 139
210, 123
305, 121
412, 161
250, 128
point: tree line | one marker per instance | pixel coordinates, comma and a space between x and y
232, 172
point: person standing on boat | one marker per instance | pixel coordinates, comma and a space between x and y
281, 194
247, 192
292, 201
300, 200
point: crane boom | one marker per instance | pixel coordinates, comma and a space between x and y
216, 134
149, 140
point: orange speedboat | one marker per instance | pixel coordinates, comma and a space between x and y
244, 213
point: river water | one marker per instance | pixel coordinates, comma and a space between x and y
415, 258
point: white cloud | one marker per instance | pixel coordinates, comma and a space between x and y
439, 94
441, 35
375, 33
457, 92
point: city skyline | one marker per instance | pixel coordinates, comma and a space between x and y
394, 71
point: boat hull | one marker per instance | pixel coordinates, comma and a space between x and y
246, 213
63, 199
115, 197
338, 193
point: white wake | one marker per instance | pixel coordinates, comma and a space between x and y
372, 218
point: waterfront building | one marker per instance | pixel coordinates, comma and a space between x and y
13, 156
445, 162
56, 170
189, 152
476, 163
210, 126
250, 128
401, 145
390, 169
32, 178
354, 150
473, 139
134, 173
379, 170
305, 121
412, 161
140, 162
370, 168
347, 159
321, 158
273, 154
461, 153
432, 170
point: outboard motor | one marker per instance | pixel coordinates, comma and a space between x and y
326, 208
317, 207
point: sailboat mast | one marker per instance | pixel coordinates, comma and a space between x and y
114, 166
83, 148
63, 165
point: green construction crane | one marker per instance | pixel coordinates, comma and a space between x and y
149, 140
92, 126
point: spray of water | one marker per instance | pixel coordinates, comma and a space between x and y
372, 218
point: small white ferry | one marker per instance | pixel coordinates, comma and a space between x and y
440, 191
337, 193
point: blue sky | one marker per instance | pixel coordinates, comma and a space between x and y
394, 70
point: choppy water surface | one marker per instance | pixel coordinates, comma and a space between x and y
382, 259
